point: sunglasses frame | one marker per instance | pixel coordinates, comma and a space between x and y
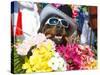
59, 21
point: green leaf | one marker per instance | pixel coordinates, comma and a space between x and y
16, 62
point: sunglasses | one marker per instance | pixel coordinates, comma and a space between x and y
57, 21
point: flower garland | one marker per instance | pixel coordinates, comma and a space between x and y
48, 57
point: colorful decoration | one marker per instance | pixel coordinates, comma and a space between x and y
46, 56
78, 57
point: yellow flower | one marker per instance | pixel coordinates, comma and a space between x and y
38, 62
43, 50
35, 51
29, 70
27, 66
44, 64
48, 44
34, 60
49, 69
91, 64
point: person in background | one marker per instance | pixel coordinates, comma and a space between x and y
89, 30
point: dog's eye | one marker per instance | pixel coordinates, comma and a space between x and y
65, 23
53, 21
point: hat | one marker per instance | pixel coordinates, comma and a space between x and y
49, 10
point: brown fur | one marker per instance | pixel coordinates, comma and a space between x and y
53, 31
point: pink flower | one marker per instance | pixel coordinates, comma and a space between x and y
75, 55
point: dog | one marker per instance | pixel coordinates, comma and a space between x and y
57, 33
56, 25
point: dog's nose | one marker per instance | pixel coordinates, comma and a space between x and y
59, 26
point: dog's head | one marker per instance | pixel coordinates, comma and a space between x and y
56, 25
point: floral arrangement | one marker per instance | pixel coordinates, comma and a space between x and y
78, 57
44, 58
43, 55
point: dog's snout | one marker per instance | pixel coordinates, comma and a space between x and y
58, 26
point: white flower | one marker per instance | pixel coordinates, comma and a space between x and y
57, 63
39, 38
62, 64
57, 55
52, 43
53, 63
23, 48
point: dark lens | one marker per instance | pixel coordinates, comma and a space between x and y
65, 23
53, 21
